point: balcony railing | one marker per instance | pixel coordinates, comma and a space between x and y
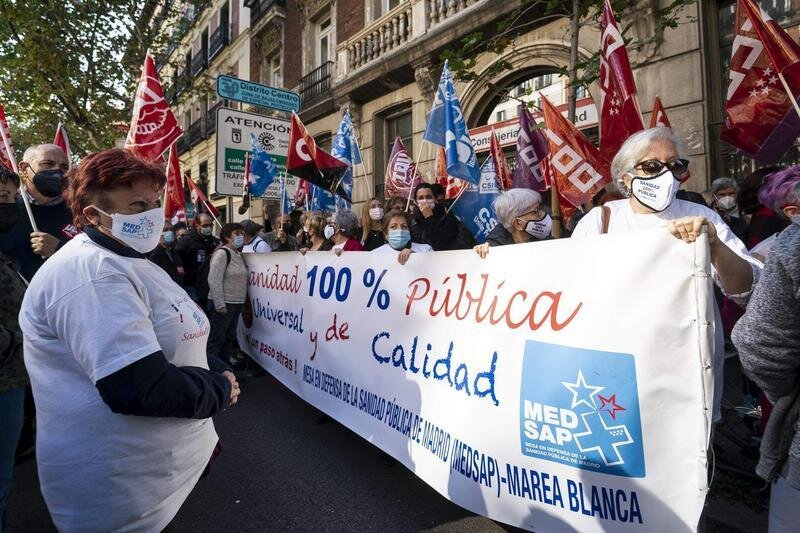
440, 10
196, 132
211, 118
258, 8
217, 41
181, 83
316, 85
199, 62
183, 143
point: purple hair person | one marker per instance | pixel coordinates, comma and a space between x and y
781, 192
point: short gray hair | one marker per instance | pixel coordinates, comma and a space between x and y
347, 221
723, 183
512, 203
634, 148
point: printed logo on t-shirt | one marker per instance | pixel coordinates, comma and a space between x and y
201, 256
69, 231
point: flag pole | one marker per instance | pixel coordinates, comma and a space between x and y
416, 171
789, 93
15, 168
464, 187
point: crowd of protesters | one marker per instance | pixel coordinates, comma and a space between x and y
85, 273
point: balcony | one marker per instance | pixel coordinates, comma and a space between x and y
217, 41
211, 118
258, 8
183, 143
387, 33
181, 83
196, 133
316, 85
199, 63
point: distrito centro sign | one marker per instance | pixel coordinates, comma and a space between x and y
234, 142
256, 94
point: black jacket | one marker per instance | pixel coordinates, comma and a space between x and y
170, 261
499, 236
193, 249
441, 231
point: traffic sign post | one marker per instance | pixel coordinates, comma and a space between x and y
233, 143
256, 94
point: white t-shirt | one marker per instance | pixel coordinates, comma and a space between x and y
415, 247
623, 219
764, 247
87, 313
257, 245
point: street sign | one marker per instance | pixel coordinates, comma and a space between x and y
233, 142
257, 94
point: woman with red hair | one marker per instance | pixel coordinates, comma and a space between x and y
116, 353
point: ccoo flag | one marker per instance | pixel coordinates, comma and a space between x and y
175, 198
202, 205
659, 117
619, 112
7, 157
531, 154
447, 127
474, 206
62, 141
153, 126
500, 164
263, 169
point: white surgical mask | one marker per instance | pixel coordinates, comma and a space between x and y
329, 231
140, 231
655, 192
726, 203
376, 213
539, 229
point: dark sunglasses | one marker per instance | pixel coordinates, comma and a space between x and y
678, 167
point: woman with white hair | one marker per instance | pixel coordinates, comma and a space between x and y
648, 170
725, 192
341, 231
522, 219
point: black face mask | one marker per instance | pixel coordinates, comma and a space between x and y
287, 228
49, 183
9, 214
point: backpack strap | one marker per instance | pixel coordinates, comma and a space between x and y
605, 217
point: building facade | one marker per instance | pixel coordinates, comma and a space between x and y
381, 60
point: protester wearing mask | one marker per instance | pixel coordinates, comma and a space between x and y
432, 224
194, 248
116, 354
522, 219
398, 237
768, 340
281, 238
725, 191
647, 169
345, 225
13, 378
314, 229
42, 169
181, 230
253, 243
372, 224
227, 289
165, 255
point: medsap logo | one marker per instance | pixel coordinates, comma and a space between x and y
581, 408
143, 229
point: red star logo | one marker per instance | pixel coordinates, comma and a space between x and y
610, 405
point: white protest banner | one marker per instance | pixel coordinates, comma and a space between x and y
555, 386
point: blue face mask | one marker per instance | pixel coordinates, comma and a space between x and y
168, 236
398, 238
238, 241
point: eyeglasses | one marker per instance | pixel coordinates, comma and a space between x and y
678, 167
538, 213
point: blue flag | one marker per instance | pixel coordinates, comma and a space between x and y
446, 127
262, 168
321, 200
345, 148
474, 207
286, 203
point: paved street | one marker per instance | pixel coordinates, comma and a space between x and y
284, 470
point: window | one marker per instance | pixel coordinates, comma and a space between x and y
389, 125
275, 76
540, 82
381, 7
501, 115
323, 42
580, 92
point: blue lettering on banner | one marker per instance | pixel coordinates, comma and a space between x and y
580, 408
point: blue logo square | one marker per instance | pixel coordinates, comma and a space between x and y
580, 408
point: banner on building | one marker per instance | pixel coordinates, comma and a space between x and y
566, 397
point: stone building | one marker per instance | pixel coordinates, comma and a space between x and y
381, 59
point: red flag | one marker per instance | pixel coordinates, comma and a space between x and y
153, 126
452, 186
313, 164
5, 159
504, 177
577, 167
175, 200
761, 120
659, 117
619, 111
199, 199
302, 193
62, 141
401, 172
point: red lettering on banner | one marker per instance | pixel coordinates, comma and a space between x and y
537, 310
276, 280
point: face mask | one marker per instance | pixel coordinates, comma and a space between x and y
657, 192
168, 236
238, 241
398, 238
287, 228
329, 231
726, 203
206, 231
137, 231
539, 229
426, 203
49, 182
376, 213
9, 214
